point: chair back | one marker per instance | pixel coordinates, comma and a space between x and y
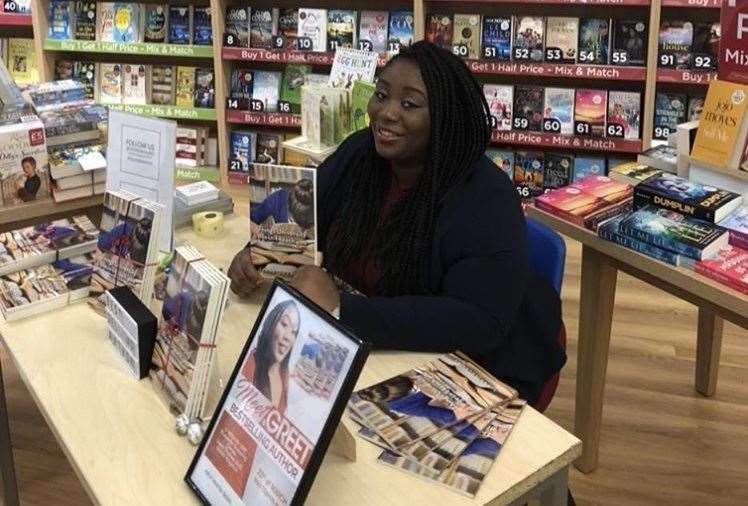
547, 252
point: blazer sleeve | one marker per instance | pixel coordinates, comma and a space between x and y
482, 285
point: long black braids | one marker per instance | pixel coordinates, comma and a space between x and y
460, 131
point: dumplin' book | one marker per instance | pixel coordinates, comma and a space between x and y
497, 37
528, 38
594, 41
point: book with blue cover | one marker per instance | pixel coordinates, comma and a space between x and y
180, 24
202, 30
60, 20
126, 27
401, 29
594, 41
497, 38
154, 26
529, 168
675, 232
588, 166
559, 168
241, 152
610, 231
503, 159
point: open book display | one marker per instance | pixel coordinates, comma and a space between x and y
127, 250
284, 233
195, 297
445, 421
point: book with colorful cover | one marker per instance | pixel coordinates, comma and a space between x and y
529, 169
288, 26
263, 24
629, 39
204, 88
202, 29
504, 160
497, 37
163, 84
154, 24
185, 87
561, 39
86, 72
313, 25
737, 223
341, 28
105, 21
558, 111
267, 89
373, 27
559, 169
674, 231
126, 27
590, 107
500, 100
605, 188
293, 80
241, 84
610, 231
22, 61
585, 165
729, 267
110, 91
400, 29
241, 152
594, 41
579, 207
85, 20
528, 38
633, 173
180, 24
670, 111
624, 114
467, 33
134, 84
527, 113
350, 65
61, 20
237, 25
439, 30
361, 93
676, 41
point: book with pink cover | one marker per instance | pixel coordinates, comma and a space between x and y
590, 108
605, 188
729, 267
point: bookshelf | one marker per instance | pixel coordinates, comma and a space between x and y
25, 214
167, 111
270, 119
572, 142
140, 49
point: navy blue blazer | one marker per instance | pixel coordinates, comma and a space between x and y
486, 302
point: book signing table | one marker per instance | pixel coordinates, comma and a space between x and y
601, 261
120, 439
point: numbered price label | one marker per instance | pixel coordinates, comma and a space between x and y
460, 50
586, 56
495, 123
582, 128
619, 57
332, 45
667, 60
524, 192
554, 54
10, 6
490, 53
237, 166
278, 42
230, 40
661, 132
304, 44
365, 45
256, 105
704, 62
284, 107
237, 104
520, 123
394, 46
615, 130
521, 53
552, 125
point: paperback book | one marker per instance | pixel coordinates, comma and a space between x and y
361, 93
610, 231
293, 79
400, 30
581, 208
624, 114
373, 28
185, 88
312, 24
134, 89
268, 149
558, 172
237, 25
110, 91
676, 40
21, 60
242, 83
695, 108
202, 30
85, 20
605, 188
594, 41
439, 30
590, 107
558, 111
729, 267
561, 38
242, 153
61, 20
705, 48
585, 166
74, 124
497, 38
467, 33
663, 157
629, 43
263, 24
267, 89
633, 173
500, 100
528, 38
670, 111
341, 28
204, 88
180, 24
163, 84
105, 21
529, 169
288, 26
126, 27
155, 23
504, 160
737, 223
527, 113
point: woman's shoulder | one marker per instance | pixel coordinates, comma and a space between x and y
486, 186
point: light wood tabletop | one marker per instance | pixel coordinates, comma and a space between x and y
119, 436
601, 260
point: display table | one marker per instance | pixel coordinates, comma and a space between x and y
119, 436
601, 260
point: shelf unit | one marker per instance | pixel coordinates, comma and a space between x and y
8, 20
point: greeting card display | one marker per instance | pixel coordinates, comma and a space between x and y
278, 413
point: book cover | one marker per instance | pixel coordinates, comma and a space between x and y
676, 40
263, 24
204, 88
85, 20
373, 27
23, 165
500, 100
400, 30
341, 28
497, 37
605, 188
673, 231
134, 87
242, 151
558, 111
504, 160
528, 38
237, 24
163, 84
268, 149
22, 61
528, 108
590, 107
154, 29
610, 231
242, 82
629, 39
111, 83
561, 38
185, 92
624, 114
733, 59
61, 20
288, 26
529, 169
180, 24
588, 166
737, 223
105, 21
361, 93
670, 110
723, 126
267, 89
74, 123
63, 68
466, 33
594, 41
293, 80
350, 65
729, 267
633, 173
439, 30
695, 108
126, 23
705, 48
690, 198
559, 169
202, 30
313, 25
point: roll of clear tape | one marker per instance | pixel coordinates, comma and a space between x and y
208, 224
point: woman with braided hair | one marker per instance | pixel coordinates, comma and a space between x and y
412, 214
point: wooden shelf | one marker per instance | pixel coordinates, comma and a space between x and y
32, 210
268, 56
613, 3
275, 119
7, 20
166, 111
139, 48
556, 141
697, 77
571, 71
703, 4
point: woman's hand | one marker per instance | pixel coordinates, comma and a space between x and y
243, 275
318, 286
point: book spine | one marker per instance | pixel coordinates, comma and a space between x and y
739, 239
644, 196
662, 242
644, 248
720, 278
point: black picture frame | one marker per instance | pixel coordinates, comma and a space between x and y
338, 406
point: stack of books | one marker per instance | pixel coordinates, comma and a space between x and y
196, 294
445, 421
195, 147
196, 193
75, 123
183, 213
737, 224
77, 171
633, 173
729, 267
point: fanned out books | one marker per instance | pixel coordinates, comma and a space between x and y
196, 293
445, 421
283, 223
729, 267
127, 248
41, 244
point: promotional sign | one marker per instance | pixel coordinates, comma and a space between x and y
733, 47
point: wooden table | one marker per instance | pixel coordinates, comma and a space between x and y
119, 436
601, 260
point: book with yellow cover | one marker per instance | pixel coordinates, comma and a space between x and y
22, 62
723, 126
467, 33
185, 87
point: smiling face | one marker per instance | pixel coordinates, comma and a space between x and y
284, 333
399, 113
29, 168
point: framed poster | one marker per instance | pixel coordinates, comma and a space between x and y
281, 406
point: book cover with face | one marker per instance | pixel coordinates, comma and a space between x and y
504, 160
589, 108
528, 108
439, 30
500, 102
528, 38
